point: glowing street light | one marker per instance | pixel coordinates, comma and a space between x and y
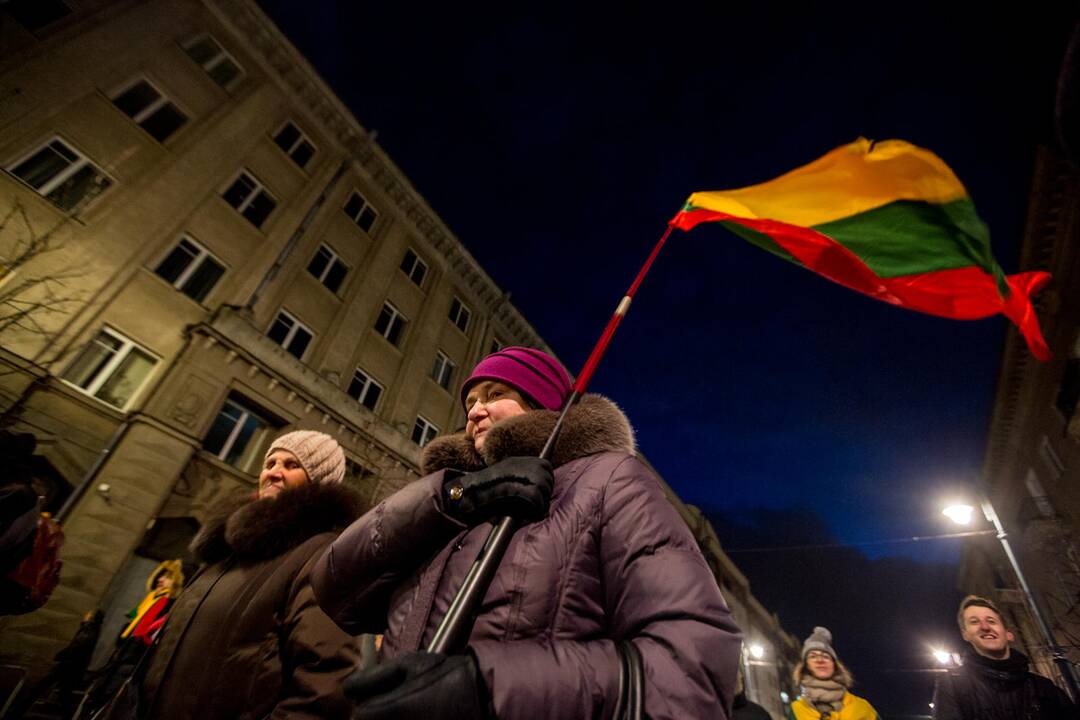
942, 656
755, 651
960, 514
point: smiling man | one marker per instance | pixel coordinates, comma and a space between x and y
994, 682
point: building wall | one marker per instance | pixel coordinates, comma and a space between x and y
130, 464
1032, 465
136, 477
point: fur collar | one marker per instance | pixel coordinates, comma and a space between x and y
592, 426
256, 530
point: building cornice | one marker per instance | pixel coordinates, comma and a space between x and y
284, 62
1041, 237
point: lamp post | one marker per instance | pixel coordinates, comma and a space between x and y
756, 652
963, 514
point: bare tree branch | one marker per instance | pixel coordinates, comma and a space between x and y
27, 300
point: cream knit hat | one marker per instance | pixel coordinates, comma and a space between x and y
319, 454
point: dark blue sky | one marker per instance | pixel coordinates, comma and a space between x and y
556, 142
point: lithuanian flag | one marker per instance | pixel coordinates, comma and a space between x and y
888, 219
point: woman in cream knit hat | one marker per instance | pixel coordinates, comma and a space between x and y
246, 639
824, 683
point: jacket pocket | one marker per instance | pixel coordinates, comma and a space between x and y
264, 686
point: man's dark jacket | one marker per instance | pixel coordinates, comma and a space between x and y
987, 689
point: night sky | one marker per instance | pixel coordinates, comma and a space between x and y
556, 142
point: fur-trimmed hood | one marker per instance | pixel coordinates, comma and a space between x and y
174, 569
256, 530
594, 425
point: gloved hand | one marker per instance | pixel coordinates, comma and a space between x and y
517, 486
420, 685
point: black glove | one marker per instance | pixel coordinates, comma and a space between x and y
517, 486
421, 685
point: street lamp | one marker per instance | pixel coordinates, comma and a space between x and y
962, 514
959, 514
944, 657
755, 651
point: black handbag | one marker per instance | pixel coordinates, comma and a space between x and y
631, 702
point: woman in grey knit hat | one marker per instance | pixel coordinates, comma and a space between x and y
824, 682
246, 638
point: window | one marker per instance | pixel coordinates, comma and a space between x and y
36, 14
360, 211
250, 198
295, 144
327, 268
423, 431
238, 433
191, 269
355, 472
1051, 458
217, 63
414, 267
391, 323
496, 345
150, 109
61, 174
1038, 494
111, 368
290, 333
443, 370
365, 390
459, 315
1069, 390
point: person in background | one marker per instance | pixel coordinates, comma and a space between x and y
994, 682
162, 587
246, 639
825, 684
30, 540
743, 708
59, 690
137, 637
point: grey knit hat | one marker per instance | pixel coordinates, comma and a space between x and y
319, 454
820, 639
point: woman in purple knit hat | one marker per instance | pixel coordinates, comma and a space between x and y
603, 559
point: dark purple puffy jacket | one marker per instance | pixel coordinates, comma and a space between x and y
612, 561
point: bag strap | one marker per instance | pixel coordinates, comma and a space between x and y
631, 701
620, 696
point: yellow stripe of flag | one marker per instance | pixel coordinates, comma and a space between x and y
849, 180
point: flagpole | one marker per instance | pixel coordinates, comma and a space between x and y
453, 632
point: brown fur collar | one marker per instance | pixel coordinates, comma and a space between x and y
592, 426
257, 530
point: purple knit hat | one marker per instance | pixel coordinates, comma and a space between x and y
532, 372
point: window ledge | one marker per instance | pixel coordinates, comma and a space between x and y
75, 392
220, 464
